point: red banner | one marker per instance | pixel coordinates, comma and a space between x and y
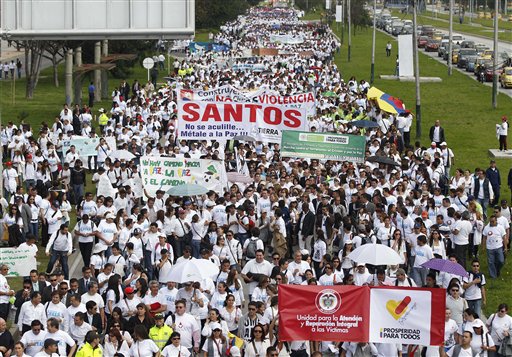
362, 314
319, 313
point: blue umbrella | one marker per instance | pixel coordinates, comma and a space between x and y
188, 189
364, 124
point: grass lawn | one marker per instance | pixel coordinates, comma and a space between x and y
464, 108
426, 19
503, 24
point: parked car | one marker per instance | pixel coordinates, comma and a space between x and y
506, 77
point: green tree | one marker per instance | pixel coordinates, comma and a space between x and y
213, 13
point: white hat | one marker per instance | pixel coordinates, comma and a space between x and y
101, 110
98, 248
304, 252
110, 216
215, 326
444, 143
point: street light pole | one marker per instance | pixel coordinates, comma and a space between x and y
416, 69
372, 74
495, 58
450, 36
349, 19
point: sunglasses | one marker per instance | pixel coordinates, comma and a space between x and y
258, 331
455, 290
176, 338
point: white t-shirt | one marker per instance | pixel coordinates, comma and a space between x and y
173, 351
450, 327
464, 352
494, 236
257, 268
63, 340
33, 343
186, 325
86, 297
499, 326
144, 348
107, 230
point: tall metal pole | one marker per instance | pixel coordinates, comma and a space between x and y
349, 17
416, 69
450, 36
495, 58
372, 74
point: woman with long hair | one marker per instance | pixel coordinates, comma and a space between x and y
115, 343
398, 245
258, 344
213, 318
231, 314
235, 286
141, 287
436, 242
143, 346
19, 350
142, 317
216, 345
260, 291
114, 293
346, 263
219, 296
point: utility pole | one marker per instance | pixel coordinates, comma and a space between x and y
450, 36
349, 16
495, 58
416, 69
372, 74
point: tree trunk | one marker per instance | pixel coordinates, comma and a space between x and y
33, 55
55, 70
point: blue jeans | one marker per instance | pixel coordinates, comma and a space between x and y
34, 229
78, 190
242, 237
495, 261
63, 258
476, 306
419, 275
196, 248
484, 203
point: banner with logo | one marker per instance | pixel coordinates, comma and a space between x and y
355, 314
228, 93
287, 39
411, 316
323, 146
321, 313
162, 173
19, 261
198, 120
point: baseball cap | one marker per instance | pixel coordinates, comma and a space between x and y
159, 316
137, 231
215, 326
129, 290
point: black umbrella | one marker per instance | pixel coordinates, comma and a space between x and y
383, 160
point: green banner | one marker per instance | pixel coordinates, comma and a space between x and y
325, 146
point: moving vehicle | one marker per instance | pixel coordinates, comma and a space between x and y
432, 45
422, 41
465, 55
506, 77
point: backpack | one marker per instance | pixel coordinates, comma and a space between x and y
251, 249
443, 183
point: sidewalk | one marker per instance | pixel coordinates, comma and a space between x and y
10, 53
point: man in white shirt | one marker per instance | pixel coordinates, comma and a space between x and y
187, 326
169, 292
57, 310
495, 240
298, 267
33, 339
154, 300
464, 348
60, 246
79, 328
461, 232
63, 339
129, 304
254, 269
30, 311
51, 349
5, 292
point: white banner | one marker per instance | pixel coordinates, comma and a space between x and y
405, 56
287, 39
20, 262
228, 93
86, 146
327, 4
198, 120
162, 173
105, 187
400, 315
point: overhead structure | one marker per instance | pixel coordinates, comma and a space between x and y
97, 19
